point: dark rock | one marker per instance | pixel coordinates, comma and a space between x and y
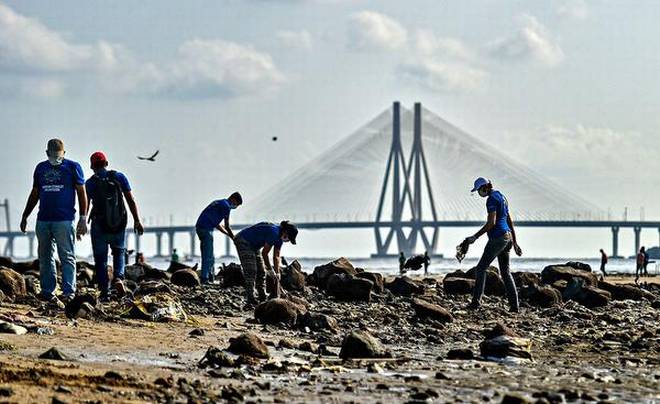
12, 283
424, 309
112, 375
339, 266
494, 283
523, 279
349, 288
458, 286
415, 262
585, 294
541, 296
293, 277
6, 262
85, 277
511, 398
318, 322
375, 278
498, 330
560, 285
279, 311
22, 267
248, 344
151, 273
404, 286
186, 277
626, 292
505, 345
215, 357
360, 344
134, 273
581, 266
53, 354
273, 286
81, 306
196, 332
553, 273
232, 275
175, 266
460, 354
6, 391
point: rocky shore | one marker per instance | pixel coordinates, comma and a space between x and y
337, 334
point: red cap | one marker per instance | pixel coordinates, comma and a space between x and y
98, 159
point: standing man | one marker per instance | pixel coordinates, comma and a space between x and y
107, 190
210, 219
501, 237
646, 261
402, 263
641, 255
56, 183
427, 262
603, 262
253, 245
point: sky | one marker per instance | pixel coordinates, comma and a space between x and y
568, 88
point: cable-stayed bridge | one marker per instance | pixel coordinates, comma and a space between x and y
406, 174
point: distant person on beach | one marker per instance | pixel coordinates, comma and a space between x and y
210, 219
641, 257
501, 238
107, 190
253, 245
56, 184
402, 263
175, 256
646, 261
427, 262
603, 261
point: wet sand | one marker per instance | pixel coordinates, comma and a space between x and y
605, 354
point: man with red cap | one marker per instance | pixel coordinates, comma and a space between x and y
107, 190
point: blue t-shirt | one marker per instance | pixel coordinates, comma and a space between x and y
497, 202
260, 234
212, 215
57, 190
91, 183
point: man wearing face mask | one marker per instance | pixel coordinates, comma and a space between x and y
501, 238
56, 182
210, 219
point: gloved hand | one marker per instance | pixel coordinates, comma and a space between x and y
471, 239
81, 229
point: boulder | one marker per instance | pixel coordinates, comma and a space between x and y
151, 273
349, 288
80, 265
279, 311
504, 346
81, 306
186, 277
553, 273
32, 284
581, 266
541, 295
339, 266
360, 344
318, 322
22, 267
175, 266
273, 286
404, 286
424, 309
12, 283
248, 344
85, 277
232, 275
494, 284
293, 278
215, 357
626, 292
6, 262
522, 279
585, 294
460, 354
415, 262
10, 328
458, 286
134, 273
375, 278
54, 354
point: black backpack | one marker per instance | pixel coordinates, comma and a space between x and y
109, 209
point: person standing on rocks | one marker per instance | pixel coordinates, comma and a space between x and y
107, 190
641, 257
253, 245
646, 261
210, 219
56, 184
402, 263
427, 262
501, 238
603, 262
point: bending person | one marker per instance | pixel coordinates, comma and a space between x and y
253, 245
501, 237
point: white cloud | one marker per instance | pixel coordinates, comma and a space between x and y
372, 30
532, 42
295, 39
439, 76
427, 43
576, 9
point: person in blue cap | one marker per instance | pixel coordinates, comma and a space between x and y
501, 238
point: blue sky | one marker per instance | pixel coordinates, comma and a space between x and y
569, 88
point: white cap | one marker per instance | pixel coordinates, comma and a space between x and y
480, 182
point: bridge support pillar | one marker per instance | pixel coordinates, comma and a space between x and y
638, 231
193, 244
137, 244
31, 245
227, 247
170, 239
159, 244
615, 241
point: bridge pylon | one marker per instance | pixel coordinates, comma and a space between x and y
408, 181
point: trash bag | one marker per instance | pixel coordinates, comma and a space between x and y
415, 262
157, 307
462, 249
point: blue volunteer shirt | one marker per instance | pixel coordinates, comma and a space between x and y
497, 203
92, 183
260, 234
212, 215
57, 190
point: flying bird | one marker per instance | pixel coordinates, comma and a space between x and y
152, 158
274, 138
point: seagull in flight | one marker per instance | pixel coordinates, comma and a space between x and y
152, 158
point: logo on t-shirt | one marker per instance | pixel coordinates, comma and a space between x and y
52, 179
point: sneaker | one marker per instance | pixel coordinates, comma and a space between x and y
120, 288
55, 302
